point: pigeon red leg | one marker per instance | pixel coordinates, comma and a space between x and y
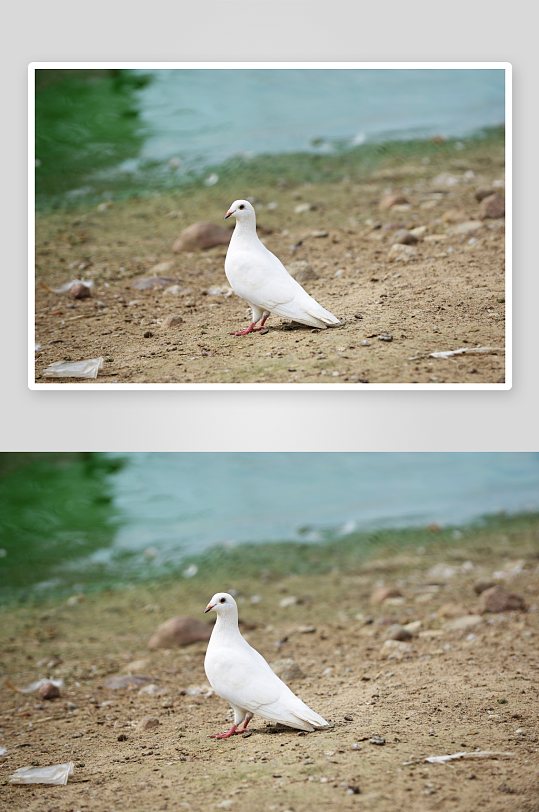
251, 328
233, 730
245, 722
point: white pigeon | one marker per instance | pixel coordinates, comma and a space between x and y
257, 276
241, 675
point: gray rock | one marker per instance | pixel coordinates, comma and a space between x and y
301, 271
116, 683
152, 282
401, 252
467, 227
287, 670
462, 623
395, 649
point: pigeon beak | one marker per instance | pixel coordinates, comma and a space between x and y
208, 607
228, 214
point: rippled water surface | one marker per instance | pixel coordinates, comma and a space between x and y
111, 128
66, 518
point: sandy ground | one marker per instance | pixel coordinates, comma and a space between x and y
454, 691
448, 295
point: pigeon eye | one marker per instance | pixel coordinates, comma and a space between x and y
222, 600
242, 206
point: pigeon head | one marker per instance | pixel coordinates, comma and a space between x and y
241, 209
222, 602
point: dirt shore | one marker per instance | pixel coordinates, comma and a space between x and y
471, 690
448, 293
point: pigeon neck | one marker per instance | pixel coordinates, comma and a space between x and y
245, 226
227, 623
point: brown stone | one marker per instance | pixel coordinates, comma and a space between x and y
80, 291
482, 192
392, 200
482, 584
498, 599
201, 235
492, 206
179, 631
454, 216
49, 691
171, 321
451, 610
404, 237
385, 592
392, 226
147, 723
398, 632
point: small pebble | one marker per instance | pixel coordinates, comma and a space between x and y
49, 691
147, 723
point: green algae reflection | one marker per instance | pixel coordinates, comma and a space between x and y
55, 509
87, 122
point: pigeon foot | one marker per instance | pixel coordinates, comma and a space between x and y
251, 328
232, 732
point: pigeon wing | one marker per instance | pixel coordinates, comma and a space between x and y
245, 680
262, 280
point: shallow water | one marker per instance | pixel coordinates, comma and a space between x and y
66, 519
99, 130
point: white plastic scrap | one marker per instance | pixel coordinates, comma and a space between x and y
479, 754
57, 774
461, 351
74, 369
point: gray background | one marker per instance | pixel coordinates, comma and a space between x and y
254, 30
